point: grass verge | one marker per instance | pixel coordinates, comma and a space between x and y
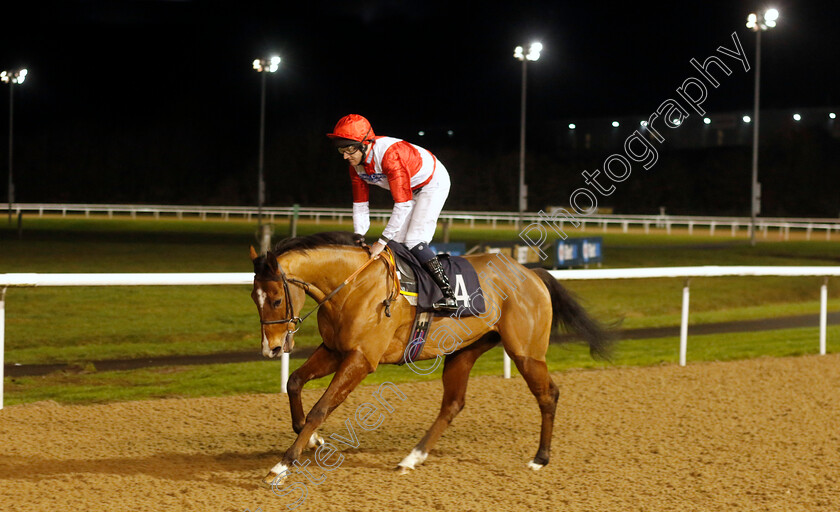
264, 376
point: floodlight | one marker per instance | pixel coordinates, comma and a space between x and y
832, 115
15, 77
746, 119
764, 21
706, 120
797, 117
615, 124
534, 51
271, 64
572, 126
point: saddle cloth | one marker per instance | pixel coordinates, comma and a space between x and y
416, 283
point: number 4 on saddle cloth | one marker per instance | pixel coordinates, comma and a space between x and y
421, 291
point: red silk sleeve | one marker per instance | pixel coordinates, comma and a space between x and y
399, 163
360, 188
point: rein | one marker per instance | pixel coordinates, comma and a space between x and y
298, 320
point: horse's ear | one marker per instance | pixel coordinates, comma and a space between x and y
253, 253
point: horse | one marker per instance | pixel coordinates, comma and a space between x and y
360, 331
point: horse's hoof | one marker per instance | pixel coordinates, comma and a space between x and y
412, 459
534, 466
403, 470
271, 478
276, 475
315, 441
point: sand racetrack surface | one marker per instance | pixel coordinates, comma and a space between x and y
750, 435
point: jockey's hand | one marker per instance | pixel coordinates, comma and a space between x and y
376, 248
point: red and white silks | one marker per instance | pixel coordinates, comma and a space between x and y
419, 184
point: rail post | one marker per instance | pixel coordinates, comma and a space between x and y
284, 372
823, 313
2, 341
293, 221
684, 324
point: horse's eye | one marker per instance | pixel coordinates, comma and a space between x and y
276, 303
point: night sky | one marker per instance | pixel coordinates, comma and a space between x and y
118, 87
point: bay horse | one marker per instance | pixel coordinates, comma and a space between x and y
359, 334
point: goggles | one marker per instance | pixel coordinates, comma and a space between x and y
348, 150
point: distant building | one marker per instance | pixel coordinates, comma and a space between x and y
716, 129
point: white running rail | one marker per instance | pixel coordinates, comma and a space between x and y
711, 224
245, 278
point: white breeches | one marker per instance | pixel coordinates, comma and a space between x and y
428, 203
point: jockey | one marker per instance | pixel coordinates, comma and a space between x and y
418, 183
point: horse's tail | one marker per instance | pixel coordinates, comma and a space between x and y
567, 311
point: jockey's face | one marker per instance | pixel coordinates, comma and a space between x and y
352, 155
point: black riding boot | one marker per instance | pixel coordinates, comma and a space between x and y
434, 269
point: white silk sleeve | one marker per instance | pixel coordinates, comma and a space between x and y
361, 217
399, 216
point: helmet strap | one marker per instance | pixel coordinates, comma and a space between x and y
364, 148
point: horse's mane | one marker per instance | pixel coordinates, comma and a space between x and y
267, 265
304, 243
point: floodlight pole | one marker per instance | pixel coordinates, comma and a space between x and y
11, 197
533, 53
523, 191
260, 180
755, 196
263, 66
758, 23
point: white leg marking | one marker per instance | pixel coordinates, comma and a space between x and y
533, 465
276, 475
279, 468
413, 458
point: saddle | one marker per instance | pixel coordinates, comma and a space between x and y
420, 291
407, 279
417, 286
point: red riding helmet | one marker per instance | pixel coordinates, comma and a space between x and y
352, 128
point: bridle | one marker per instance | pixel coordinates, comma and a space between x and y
290, 311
